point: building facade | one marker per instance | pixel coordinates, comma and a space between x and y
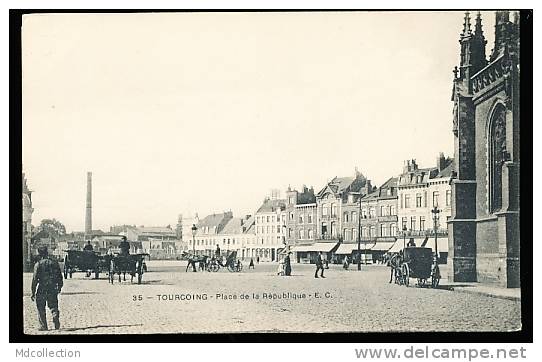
336, 195
484, 227
421, 192
237, 235
300, 216
270, 228
375, 216
207, 236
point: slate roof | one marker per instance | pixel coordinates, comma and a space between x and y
271, 205
214, 221
447, 171
338, 185
234, 226
211, 220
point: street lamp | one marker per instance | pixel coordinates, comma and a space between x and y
404, 237
359, 233
194, 230
435, 211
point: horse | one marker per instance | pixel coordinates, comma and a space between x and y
194, 260
395, 263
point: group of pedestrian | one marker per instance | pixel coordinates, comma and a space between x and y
47, 280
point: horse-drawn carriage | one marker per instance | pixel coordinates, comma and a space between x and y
213, 264
132, 264
415, 262
88, 261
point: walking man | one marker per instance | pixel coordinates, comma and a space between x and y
251, 265
319, 266
46, 285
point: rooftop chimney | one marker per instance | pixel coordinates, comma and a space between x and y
441, 162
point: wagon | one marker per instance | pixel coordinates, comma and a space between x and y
232, 263
132, 264
87, 261
419, 263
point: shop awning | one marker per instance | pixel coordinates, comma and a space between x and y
442, 243
346, 249
383, 246
324, 247
396, 247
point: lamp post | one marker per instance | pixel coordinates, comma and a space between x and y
404, 237
359, 233
435, 211
194, 230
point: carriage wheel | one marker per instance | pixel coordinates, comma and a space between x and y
215, 268
398, 276
421, 282
405, 271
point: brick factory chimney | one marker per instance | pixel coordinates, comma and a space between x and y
88, 215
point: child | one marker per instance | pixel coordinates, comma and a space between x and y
280, 270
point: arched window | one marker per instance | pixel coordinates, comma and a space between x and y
496, 154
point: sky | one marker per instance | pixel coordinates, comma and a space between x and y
177, 113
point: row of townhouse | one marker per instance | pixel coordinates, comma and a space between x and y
350, 216
347, 215
225, 232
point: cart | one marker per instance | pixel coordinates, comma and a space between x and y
132, 264
88, 261
419, 263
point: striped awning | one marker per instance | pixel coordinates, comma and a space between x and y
442, 243
346, 249
324, 247
383, 246
396, 247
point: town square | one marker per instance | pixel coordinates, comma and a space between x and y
173, 301
271, 172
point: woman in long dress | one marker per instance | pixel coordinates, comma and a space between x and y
287, 265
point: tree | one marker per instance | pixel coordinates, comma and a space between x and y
53, 227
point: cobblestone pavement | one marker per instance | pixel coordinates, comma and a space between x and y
343, 301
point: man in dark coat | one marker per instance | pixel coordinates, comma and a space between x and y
287, 265
251, 265
124, 247
88, 247
319, 266
46, 285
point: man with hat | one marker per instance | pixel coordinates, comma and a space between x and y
46, 285
124, 247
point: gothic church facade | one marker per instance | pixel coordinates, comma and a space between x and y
484, 227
